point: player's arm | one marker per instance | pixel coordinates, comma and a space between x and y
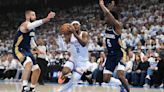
82, 40
34, 47
28, 26
110, 17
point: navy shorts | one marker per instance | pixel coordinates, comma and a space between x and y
113, 58
17, 54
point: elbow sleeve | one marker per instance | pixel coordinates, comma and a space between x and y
34, 24
33, 44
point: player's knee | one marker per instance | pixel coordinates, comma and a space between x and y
28, 63
28, 66
65, 71
36, 68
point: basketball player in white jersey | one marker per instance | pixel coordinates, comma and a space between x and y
77, 46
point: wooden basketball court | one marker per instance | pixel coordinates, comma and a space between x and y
16, 87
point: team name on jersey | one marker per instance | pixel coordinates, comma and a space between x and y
109, 29
111, 36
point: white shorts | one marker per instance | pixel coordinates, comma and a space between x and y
78, 66
119, 67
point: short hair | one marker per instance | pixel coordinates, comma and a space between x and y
28, 11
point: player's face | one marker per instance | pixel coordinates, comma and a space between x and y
32, 16
76, 26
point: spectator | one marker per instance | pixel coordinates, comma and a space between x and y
129, 65
160, 72
92, 66
97, 73
10, 70
153, 61
42, 60
142, 70
134, 69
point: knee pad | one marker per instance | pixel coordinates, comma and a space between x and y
35, 67
27, 60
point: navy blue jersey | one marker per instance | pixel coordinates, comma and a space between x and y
22, 40
112, 39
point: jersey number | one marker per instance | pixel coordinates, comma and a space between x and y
108, 43
77, 50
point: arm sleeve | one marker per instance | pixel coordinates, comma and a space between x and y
33, 43
34, 24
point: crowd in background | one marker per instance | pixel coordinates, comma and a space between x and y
142, 38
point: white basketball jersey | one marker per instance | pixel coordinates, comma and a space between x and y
78, 52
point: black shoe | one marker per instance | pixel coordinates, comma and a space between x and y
25, 89
32, 89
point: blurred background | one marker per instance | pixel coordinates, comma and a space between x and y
142, 37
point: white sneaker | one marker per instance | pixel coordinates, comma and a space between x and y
146, 85
161, 86
148, 77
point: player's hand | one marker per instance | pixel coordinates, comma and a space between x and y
111, 5
72, 29
51, 15
101, 2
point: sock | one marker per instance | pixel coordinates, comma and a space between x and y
32, 86
74, 79
25, 82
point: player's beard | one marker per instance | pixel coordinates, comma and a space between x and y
31, 20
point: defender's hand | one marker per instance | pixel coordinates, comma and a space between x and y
101, 2
111, 5
51, 15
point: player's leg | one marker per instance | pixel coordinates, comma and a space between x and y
68, 67
74, 80
121, 70
27, 63
121, 76
26, 73
110, 66
34, 77
35, 73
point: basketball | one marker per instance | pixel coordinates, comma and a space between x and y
64, 29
